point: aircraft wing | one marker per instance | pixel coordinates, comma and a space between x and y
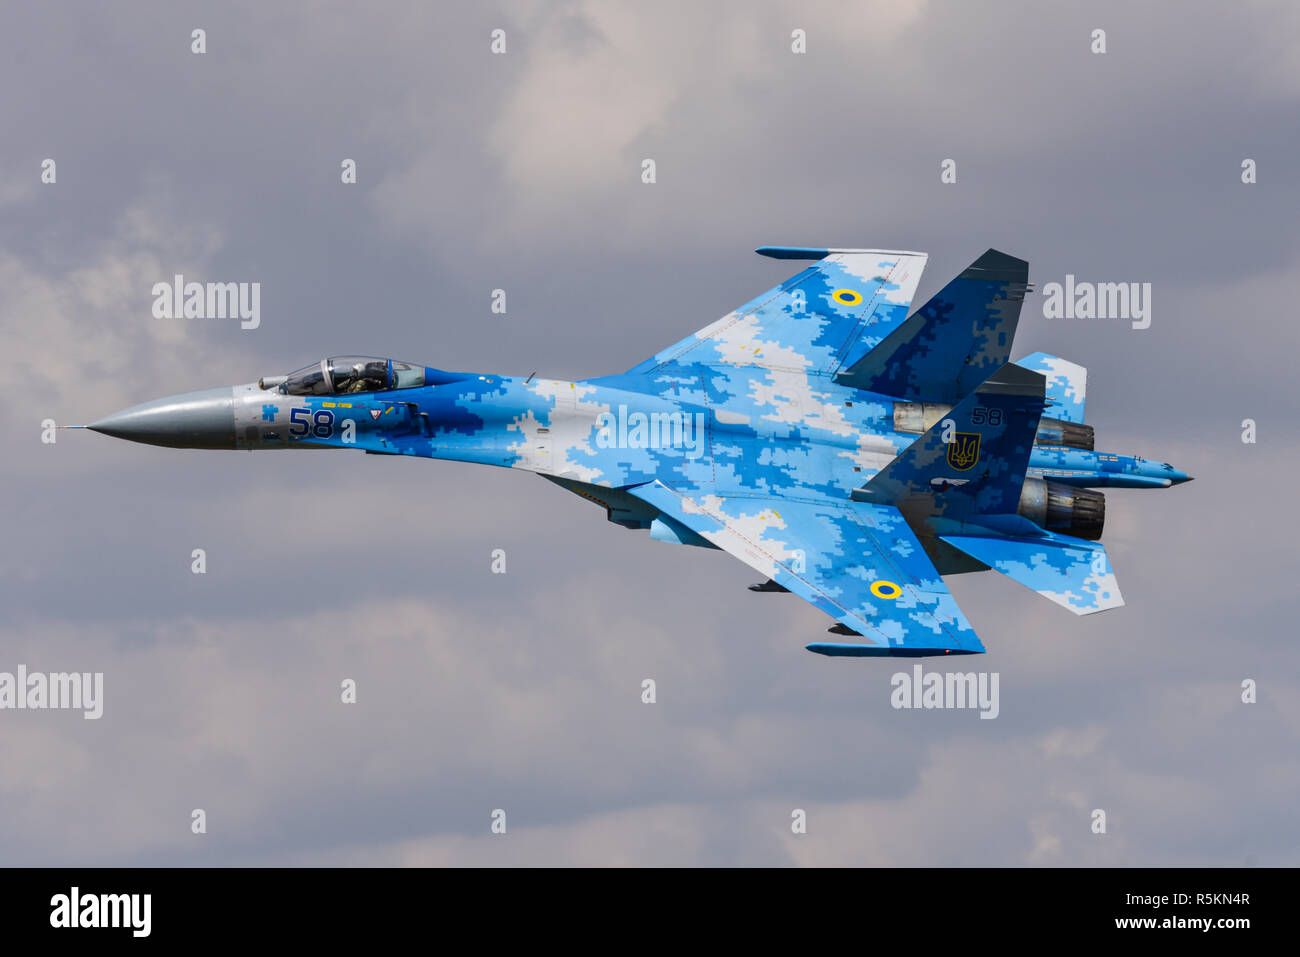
844, 304
857, 561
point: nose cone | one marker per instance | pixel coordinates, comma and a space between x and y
1161, 470
192, 420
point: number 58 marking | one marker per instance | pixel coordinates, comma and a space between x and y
983, 415
303, 421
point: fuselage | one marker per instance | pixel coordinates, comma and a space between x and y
793, 432
611, 432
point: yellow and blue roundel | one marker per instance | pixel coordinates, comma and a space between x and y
884, 589
847, 297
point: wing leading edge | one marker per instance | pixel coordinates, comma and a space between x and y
857, 561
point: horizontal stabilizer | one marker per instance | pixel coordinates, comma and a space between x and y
1067, 385
960, 337
1069, 571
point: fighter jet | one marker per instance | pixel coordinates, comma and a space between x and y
850, 453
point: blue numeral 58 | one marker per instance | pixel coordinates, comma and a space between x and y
302, 421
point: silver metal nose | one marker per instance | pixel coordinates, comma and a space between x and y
191, 420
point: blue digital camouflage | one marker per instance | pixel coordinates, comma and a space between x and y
849, 453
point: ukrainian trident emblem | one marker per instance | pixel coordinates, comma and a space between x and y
964, 451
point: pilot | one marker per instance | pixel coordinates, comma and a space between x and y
364, 377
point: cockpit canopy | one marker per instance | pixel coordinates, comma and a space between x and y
344, 375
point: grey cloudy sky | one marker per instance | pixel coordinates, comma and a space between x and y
522, 691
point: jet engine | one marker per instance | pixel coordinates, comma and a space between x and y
1079, 512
